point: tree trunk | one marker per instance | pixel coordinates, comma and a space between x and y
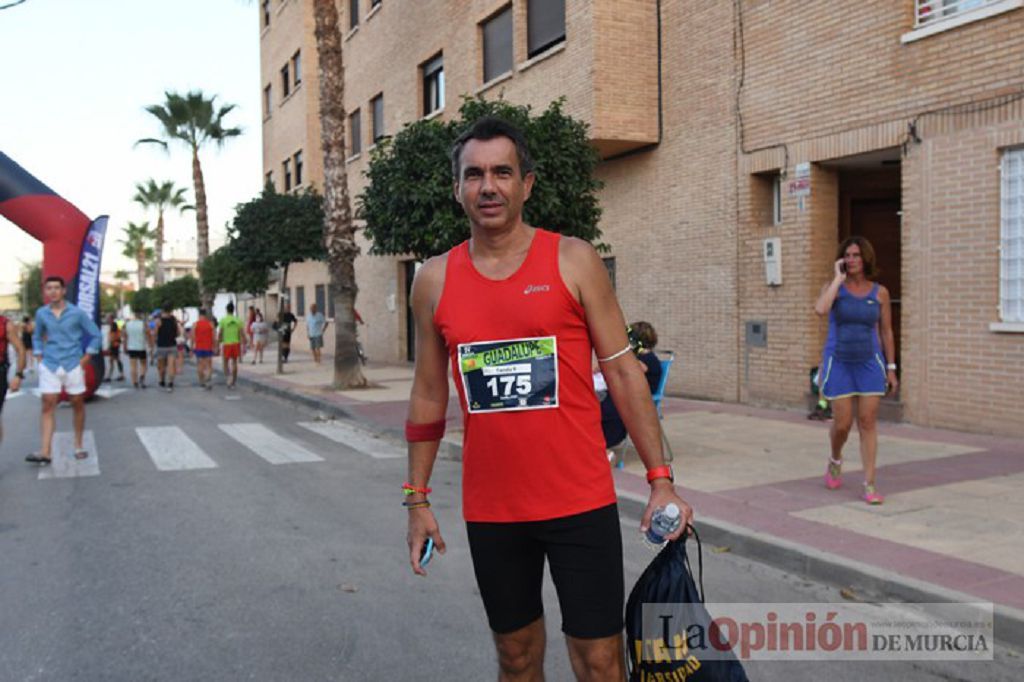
158, 275
202, 223
339, 233
140, 263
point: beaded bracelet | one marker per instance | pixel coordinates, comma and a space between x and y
416, 505
409, 489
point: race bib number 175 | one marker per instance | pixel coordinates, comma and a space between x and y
517, 374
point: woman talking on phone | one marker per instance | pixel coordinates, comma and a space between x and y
858, 362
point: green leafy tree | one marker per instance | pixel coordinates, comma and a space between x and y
222, 271
30, 290
161, 197
179, 293
109, 300
136, 243
408, 204
143, 301
275, 230
193, 120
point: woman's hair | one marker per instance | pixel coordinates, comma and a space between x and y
645, 334
867, 255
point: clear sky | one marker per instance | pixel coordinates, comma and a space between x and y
76, 77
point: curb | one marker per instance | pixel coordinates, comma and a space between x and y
447, 450
789, 556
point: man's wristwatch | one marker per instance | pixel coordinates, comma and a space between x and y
20, 375
664, 471
891, 366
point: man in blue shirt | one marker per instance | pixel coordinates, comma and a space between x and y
316, 324
60, 330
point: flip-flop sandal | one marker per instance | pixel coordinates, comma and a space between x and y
81, 453
36, 458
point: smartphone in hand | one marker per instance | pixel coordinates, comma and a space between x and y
426, 552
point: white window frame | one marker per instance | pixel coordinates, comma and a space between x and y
953, 13
1011, 241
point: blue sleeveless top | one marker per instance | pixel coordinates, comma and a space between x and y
853, 326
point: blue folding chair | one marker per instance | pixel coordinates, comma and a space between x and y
666, 357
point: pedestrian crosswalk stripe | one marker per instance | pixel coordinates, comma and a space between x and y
172, 450
64, 463
268, 445
356, 438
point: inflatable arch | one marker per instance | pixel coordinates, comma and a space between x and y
72, 244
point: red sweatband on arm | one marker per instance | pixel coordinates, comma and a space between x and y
415, 433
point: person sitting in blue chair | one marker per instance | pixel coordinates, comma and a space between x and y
643, 339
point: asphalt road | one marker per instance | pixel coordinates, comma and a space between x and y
214, 537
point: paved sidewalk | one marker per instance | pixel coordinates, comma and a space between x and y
951, 528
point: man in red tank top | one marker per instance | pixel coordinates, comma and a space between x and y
518, 312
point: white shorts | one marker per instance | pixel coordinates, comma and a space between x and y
51, 382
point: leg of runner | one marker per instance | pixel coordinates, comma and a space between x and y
48, 423
172, 369
867, 429
161, 369
78, 405
521, 653
597, 659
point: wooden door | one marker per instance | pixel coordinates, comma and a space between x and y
878, 221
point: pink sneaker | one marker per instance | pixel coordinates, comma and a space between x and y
834, 474
872, 496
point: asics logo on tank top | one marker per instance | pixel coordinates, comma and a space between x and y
536, 289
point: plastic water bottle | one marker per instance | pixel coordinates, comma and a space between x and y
664, 522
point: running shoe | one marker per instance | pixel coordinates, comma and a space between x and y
872, 496
834, 474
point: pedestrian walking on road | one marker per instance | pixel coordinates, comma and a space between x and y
229, 334
154, 320
60, 330
285, 325
536, 482
854, 372
27, 327
114, 348
9, 337
260, 334
202, 345
250, 317
136, 338
167, 332
316, 325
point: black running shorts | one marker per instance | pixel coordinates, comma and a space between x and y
584, 552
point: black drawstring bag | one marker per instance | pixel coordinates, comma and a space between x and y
673, 638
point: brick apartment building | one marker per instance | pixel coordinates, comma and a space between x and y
727, 129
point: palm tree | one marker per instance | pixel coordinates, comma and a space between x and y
194, 121
339, 232
161, 197
136, 246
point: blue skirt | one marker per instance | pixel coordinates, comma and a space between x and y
845, 378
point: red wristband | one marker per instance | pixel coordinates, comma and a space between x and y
660, 472
409, 489
415, 433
